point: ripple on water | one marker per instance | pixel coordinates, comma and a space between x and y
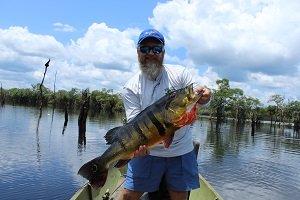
44, 165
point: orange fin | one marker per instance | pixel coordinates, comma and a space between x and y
188, 117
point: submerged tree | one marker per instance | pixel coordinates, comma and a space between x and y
220, 99
279, 106
41, 85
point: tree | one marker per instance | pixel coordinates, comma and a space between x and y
279, 103
220, 99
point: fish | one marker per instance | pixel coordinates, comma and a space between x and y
155, 124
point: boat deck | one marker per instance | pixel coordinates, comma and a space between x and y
112, 188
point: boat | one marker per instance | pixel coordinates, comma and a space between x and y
115, 180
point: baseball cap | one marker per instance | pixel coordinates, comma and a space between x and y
151, 33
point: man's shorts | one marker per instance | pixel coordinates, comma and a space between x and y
145, 173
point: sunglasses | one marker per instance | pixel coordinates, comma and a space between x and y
154, 49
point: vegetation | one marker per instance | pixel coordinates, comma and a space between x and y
232, 103
101, 100
226, 103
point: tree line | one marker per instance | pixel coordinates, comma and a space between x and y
226, 103
232, 103
100, 100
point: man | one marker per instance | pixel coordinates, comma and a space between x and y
178, 163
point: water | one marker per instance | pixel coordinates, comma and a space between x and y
42, 163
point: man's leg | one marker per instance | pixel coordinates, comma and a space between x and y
176, 195
182, 175
143, 175
130, 195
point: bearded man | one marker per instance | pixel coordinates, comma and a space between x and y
178, 163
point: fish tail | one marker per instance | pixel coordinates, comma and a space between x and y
95, 173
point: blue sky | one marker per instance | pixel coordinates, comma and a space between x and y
39, 16
253, 43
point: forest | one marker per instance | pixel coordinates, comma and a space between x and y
226, 103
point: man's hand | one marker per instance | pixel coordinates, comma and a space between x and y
142, 151
206, 94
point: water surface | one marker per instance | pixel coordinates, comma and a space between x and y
41, 162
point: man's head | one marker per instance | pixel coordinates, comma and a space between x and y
150, 50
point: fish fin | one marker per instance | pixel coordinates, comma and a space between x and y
168, 141
96, 174
121, 163
111, 135
188, 118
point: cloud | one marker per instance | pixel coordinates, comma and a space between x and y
23, 51
245, 36
248, 42
105, 48
63, 27
255, 44
103, 58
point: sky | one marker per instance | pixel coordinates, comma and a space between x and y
92, 44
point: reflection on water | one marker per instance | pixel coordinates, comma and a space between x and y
43, 164
242, 165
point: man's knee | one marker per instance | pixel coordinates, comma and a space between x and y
130, 195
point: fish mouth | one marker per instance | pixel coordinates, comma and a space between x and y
198, 96
195, 99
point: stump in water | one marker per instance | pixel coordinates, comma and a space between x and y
297, 125
66, 118
2, 96
253, 126
82, 116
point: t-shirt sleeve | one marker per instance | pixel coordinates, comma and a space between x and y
186, 77
131, 103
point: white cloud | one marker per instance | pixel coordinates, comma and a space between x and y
63, 27
255, 44
279, 81
239, 40
103, 57
105, 48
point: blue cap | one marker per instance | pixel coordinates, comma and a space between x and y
151, 33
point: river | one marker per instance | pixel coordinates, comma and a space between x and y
39, 161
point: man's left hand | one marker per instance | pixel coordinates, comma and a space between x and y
206, 94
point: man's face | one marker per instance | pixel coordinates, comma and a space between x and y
150, 63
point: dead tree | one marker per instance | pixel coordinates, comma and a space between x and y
66, 117
54, 88
2, 96
82, 116
41, 85
296, 120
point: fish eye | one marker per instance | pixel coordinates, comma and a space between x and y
94, 168
172, 95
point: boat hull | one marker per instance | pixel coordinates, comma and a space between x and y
115, 181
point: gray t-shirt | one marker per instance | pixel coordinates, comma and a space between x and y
140, 92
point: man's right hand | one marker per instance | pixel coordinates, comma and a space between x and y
142, 151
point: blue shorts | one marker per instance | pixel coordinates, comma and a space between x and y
145, 173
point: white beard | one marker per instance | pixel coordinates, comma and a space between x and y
151, 69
